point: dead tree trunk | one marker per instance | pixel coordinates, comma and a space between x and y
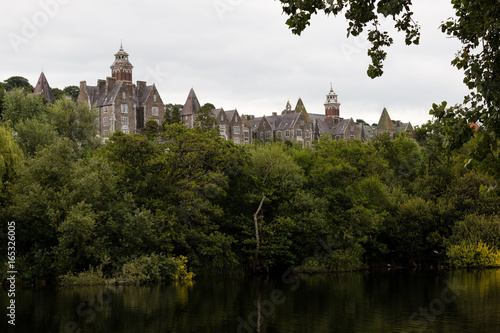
257, 236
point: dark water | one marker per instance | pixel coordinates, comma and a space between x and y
397, 301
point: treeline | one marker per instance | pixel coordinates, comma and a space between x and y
145, 208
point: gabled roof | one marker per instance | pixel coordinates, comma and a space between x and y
403, 127
216, 112
143, 94
230, 114
192, 105
300, 108
385, 122
43, 88
286, 121
104, 95
369, 131
340, 127
256, 122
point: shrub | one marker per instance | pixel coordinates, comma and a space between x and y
93, 276
155, 269
473, 254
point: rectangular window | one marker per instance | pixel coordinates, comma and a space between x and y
337, 137
236, 130
154, 111
125, 131
268, 134
105, 132
124, 108
351, 137
287, 134
105, 109
222, 130
246, 133
105, 121
262, 136
308, 134
299, 133
237, 141
278, 135
124, 123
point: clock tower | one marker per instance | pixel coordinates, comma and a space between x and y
332, 106
121, 69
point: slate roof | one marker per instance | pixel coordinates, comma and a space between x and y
370, 131
385, 122
43, 88
340, 127
255, 123
285, 121
192, 105
99, 96
403, 127
216, 112
143, 94
230, 114
300, 108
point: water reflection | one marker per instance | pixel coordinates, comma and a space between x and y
397, 301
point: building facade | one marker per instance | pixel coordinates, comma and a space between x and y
231, 125
292, 124
122, 105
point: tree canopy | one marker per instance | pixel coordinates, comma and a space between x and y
476, 25
15, 82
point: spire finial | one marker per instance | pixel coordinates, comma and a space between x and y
121, 44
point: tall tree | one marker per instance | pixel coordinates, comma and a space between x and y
18, 82
476, 25
359, 14
205, 117
72, 91
19, 106
2, 95
75, 123
11, 156
172, 114
58, 94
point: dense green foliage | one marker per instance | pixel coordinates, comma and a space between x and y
136, 208
476, 25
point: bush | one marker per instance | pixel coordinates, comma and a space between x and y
93, 276
155, 269
473, 254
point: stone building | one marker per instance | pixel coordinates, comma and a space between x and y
231, 125
122, 105
190, 109
291, 125
43, 88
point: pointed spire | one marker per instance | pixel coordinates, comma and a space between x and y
192, 105
385, 123
300, 108
43, 88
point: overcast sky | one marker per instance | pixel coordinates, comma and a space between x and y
234, 53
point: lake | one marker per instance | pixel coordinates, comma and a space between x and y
389, 301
